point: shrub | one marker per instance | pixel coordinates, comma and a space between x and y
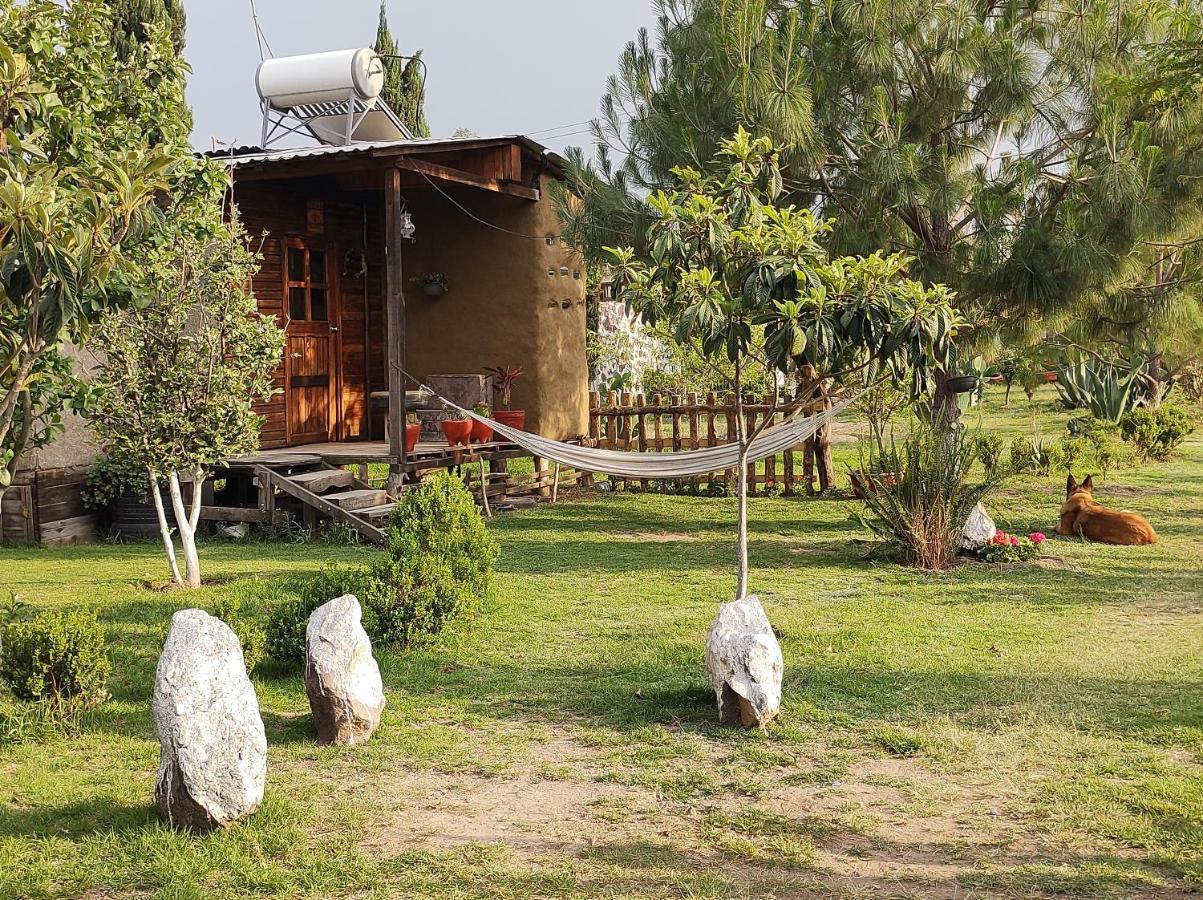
438, 564
1157, 432
924, 509
109, 479
989, 449
285, 632
250, 632
56, 657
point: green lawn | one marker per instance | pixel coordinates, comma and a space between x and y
995, 731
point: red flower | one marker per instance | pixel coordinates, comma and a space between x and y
1037, 537
1014, 541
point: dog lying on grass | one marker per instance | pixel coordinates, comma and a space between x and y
1081, 515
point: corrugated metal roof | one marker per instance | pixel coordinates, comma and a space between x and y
237, 157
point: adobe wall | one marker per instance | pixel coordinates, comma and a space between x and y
511, 301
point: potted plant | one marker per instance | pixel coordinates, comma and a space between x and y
123, 491
503, 383
880, 467
481, 433
457, 431
433, 284
413, 430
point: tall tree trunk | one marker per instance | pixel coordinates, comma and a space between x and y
1154, 383
741, 484
186, 520
945, 411
164, 530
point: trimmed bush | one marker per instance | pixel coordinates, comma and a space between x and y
250, 633
287, 622
438, 565
56, 657
1156, 433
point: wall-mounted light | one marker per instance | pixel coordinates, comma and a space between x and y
405, 225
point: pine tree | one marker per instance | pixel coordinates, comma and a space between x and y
131, 17
1021, 152
404, 85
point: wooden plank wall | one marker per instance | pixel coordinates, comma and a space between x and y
45, 507
273, 210
629, 422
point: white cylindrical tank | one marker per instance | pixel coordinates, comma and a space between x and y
290, 81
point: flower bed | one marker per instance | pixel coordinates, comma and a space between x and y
1005, 547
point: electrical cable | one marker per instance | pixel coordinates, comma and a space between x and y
472, 215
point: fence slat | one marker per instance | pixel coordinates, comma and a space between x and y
631, 423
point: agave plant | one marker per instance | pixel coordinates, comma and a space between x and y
1108, 390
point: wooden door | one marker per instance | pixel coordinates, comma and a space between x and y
311, 395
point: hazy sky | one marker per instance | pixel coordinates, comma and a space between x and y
494, 67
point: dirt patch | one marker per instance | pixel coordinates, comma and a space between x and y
527, 815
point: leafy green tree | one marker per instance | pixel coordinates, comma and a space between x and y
1019, 152
77, 188
177, 373
730, 266
404, 82
132, 21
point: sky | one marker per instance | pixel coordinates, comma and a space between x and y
534, 67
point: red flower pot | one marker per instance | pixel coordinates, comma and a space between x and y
481, 433
412, 432
457, 431
513, 418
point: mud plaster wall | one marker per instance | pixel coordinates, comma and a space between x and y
512, 301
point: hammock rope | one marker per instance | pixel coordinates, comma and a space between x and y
639, 464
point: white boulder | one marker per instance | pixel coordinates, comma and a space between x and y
745, 664
342, 678
213, 750
978, 530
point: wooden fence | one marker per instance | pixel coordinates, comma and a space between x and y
629, 422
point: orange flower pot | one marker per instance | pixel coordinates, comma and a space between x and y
412, 432
513, 418
481, 433
457, 431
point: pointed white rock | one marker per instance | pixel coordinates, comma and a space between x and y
342, 678
213, 750
978, 530
745, 664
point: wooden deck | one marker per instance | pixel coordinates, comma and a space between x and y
427, 454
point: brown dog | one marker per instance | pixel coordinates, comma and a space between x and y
1081, 515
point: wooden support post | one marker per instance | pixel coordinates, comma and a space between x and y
394, 300
484, 489
555, 483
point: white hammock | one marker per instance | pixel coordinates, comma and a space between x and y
641, 464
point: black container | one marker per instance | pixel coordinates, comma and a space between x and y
132, 516
962, 384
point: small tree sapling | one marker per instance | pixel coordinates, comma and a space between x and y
750, 279
177, 374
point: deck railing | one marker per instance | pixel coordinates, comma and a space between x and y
629, 422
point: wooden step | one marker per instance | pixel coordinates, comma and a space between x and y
376, 512
323, 480
353, 501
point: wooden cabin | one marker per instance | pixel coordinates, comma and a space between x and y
333, 226
341, 268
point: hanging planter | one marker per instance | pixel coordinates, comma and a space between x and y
962, 384
433, 285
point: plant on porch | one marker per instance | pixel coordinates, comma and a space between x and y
178, 373
749, 278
